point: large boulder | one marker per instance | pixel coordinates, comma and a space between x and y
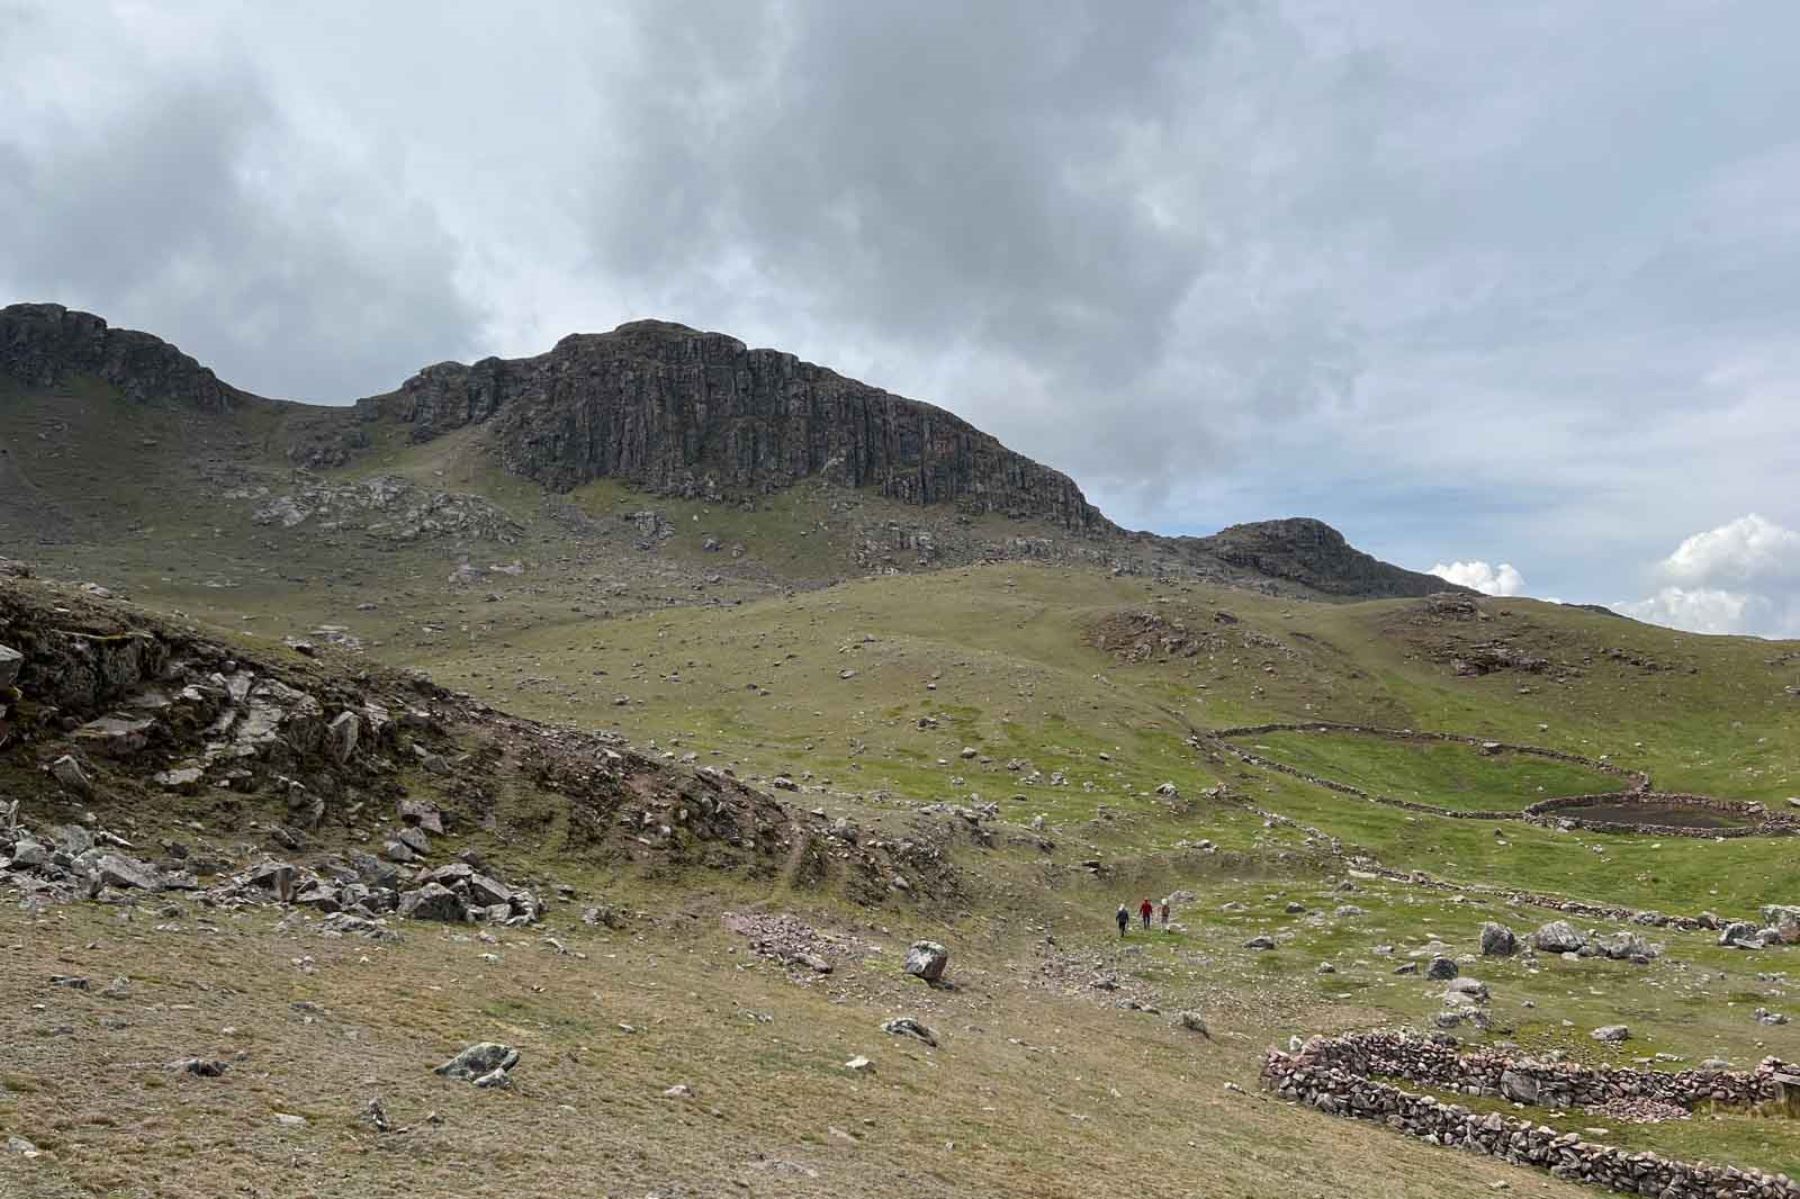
1498, 941
1559, 936
1611, 1034
926, 960
1442, 968
434, 901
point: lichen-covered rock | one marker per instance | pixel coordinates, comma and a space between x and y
479, 1060
1498, 941
434, 901
926, 960
1558, 936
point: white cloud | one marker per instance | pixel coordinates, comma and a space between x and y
1741, 577
1700, 610
1503, 579
1750, 549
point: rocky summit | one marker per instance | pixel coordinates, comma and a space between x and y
667, 411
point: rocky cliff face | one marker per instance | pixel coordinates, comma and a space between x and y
673, 410
43, 344
1312, 553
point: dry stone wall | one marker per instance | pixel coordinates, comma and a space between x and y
1332, 1075
1546, 812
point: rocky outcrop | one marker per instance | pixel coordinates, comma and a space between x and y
42, 345
1313, 554
674, 410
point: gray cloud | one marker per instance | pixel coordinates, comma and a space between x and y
1510, 284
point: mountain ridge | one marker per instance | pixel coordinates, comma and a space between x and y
671, 410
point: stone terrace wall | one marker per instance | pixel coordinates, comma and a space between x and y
1311, 1077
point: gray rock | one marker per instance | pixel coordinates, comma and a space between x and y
1520, 1088
1625, 946
926, 960
117, 870
184, 779
1192, 1021
360, 926
479, 1060
1260, 941
73, 839
434, 901
342, 735
1611, 1034
425, 815
603, 915
67, 771
115, 736
1741, 934
906, 1026
11, 662
30, 855
1466, 990
1498, 941
1559, 936
1442, 968
487, 892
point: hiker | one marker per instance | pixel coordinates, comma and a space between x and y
1124, 919
1165, 915
1144, 910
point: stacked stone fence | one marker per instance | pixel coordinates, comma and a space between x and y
1332, 1075
1544, 812
1635, 777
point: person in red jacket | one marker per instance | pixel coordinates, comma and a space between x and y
1144, 910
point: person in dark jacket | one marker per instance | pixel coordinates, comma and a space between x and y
1124, 918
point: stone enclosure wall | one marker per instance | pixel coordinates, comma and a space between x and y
1332, 1075
1543, 812
1762, 823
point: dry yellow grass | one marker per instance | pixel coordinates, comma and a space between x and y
1032, 1093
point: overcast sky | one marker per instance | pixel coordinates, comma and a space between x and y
1510, 290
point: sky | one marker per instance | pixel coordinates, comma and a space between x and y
1504, 291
